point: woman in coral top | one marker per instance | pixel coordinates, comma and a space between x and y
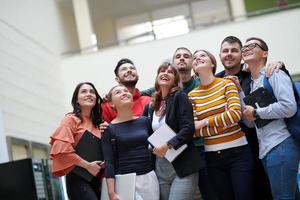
85, 117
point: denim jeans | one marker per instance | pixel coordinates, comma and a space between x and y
171, 186
281, 165
231, 172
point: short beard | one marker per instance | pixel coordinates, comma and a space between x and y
130, 84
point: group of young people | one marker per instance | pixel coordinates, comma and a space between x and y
227, 156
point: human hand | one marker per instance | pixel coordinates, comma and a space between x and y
161, 150
94, 167
248, 113
236, 81
201, 123
103, 126
114, 196
273, 67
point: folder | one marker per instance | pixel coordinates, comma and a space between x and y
161, 136
258, 99
88, 148
124, 187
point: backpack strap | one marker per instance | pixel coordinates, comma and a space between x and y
268, 87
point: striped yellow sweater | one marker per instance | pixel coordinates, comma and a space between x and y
220, 103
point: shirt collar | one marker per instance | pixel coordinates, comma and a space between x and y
137, 94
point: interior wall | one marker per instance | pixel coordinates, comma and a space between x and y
280, 30
32, 97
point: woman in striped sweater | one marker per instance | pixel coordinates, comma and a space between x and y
217, 111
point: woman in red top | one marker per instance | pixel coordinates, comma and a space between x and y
85, 117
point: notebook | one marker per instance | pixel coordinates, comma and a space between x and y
124, 187
88, 148
161, 136
258, 99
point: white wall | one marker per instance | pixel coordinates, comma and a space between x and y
31, 94
42, 21
3, 146
280, 30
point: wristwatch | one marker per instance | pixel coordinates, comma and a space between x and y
254, 113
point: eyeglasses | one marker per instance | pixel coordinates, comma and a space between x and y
252, 46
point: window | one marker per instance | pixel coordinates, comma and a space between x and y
169, 27
20, 149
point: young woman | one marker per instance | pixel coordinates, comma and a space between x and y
171, 106
85, 117
125, 147
217, 111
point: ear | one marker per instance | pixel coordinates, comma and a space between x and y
265, 54
112, 106
117, 79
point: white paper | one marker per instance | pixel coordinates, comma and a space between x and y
161, 136
124, 187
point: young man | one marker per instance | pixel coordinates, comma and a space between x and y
231, 57
279, 152
126, 74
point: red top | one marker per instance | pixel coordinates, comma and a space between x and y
139, 103
64, 140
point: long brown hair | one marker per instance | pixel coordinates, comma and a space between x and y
157, 96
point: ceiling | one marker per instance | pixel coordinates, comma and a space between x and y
103, 9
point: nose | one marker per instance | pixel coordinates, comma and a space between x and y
229, 54
129, 71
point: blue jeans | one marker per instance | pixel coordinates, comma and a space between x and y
171, 186
231, 173
281, 165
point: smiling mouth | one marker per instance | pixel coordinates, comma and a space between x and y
229, 60
125, 97
200, 62
247, 54
164, 78
89, 101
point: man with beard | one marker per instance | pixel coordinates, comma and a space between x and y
231, 57
126, 74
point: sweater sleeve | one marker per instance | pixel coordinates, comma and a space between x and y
232, 113
62, 144
286, 104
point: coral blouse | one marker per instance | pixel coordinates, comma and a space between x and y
64, 140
